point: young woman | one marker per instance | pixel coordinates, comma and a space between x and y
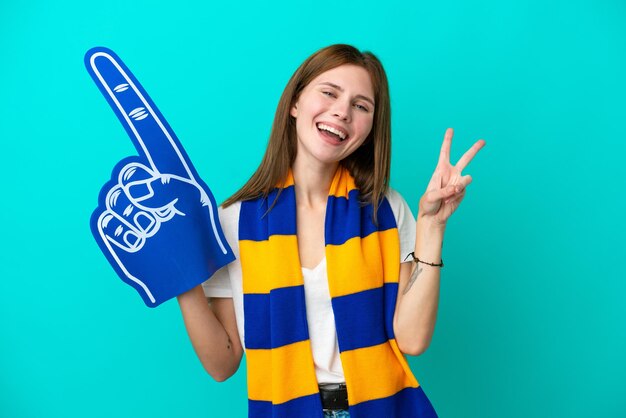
320, 293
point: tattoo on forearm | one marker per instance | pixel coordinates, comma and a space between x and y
416, 272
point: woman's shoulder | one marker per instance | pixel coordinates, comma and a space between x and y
229, 220
395, 199
229, 213
393, 195
399, 206
404, 220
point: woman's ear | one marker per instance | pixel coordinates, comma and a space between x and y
294, 110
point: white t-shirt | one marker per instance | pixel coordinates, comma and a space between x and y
227, 283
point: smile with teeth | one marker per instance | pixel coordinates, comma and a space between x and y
341, 135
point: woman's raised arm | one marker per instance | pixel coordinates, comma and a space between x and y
418, 295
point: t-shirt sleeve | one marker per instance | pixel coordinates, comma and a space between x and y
406, 224
219, 285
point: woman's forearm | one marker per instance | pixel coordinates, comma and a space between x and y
216, 350
418, 293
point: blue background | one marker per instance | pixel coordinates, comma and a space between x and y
532, 314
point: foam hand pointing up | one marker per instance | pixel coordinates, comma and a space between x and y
157, 221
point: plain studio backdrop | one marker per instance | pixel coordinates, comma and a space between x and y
532, 314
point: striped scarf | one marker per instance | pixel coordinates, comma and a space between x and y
363, 268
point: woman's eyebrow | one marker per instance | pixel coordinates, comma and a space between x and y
358, 96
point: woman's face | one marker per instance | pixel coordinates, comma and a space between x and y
334, 114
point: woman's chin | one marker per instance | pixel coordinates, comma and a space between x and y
319, 158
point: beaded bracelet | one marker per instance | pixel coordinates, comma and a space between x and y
417, 260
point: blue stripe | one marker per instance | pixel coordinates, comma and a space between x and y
256, 224
391, 295
279, 318
359, 319
348, 218
304, 407
409, 402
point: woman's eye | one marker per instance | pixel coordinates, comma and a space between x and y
328, 93
361, 107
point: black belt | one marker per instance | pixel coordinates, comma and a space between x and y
334, 396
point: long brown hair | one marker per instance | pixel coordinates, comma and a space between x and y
369, 164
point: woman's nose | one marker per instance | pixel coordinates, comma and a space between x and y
341, 111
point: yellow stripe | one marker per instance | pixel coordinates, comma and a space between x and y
402, 360
374, 372
390, 250
270, 264
281, 374
342, 184
288, 181
357, 264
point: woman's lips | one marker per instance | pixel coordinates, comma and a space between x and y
332, 133
334, 129
330, 138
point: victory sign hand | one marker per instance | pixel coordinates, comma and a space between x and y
447, 186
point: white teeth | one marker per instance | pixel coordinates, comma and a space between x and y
337, 132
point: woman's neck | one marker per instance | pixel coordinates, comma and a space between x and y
312, 182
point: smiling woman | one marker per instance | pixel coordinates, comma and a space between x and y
318, 296
355, 87
338, 107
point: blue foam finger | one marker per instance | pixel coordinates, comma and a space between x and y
180, 244
147, 128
